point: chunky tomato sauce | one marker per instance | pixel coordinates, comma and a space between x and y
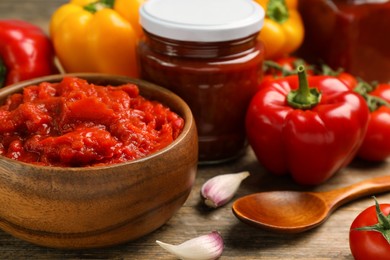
216, 80
73, 124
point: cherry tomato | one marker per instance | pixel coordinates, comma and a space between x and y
376, 143
282, 67
348, 79
368, 244
285, 66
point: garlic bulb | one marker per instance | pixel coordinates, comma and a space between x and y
205, 247
220, 189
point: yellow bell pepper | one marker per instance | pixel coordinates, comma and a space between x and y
97, 36
283, 29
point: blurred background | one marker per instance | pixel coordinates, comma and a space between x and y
31, 9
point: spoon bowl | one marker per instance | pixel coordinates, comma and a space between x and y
294, 211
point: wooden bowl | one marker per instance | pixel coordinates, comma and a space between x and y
90, 207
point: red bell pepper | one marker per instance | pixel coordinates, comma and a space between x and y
25, 52
310, 133
376, 143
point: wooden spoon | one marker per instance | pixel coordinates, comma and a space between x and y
294, 211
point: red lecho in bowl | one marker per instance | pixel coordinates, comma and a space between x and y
63, 203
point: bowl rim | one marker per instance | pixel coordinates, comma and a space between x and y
187, 116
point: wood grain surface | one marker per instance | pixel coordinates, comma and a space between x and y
328, 241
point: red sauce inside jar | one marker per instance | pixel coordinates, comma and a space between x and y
73, 124
206, 52
349, 34
217, 81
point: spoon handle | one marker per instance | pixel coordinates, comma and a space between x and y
372, 186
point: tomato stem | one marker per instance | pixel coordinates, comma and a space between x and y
373, 102
272, 65
269, 64
328, 71
382, 218
277, 10
98, 5
383, 225
304, 97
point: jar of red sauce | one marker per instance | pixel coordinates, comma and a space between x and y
207, 52
349, 34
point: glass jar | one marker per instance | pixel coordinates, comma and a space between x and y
349, 34
207, 52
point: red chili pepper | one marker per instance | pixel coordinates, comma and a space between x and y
25, 52
310, 133
376, 143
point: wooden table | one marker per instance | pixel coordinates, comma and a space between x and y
329, 241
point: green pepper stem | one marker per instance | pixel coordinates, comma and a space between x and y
304, 97
277, 10
98, 5
304, 89
3, 73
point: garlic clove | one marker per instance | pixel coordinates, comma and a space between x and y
220, 189
204, 247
